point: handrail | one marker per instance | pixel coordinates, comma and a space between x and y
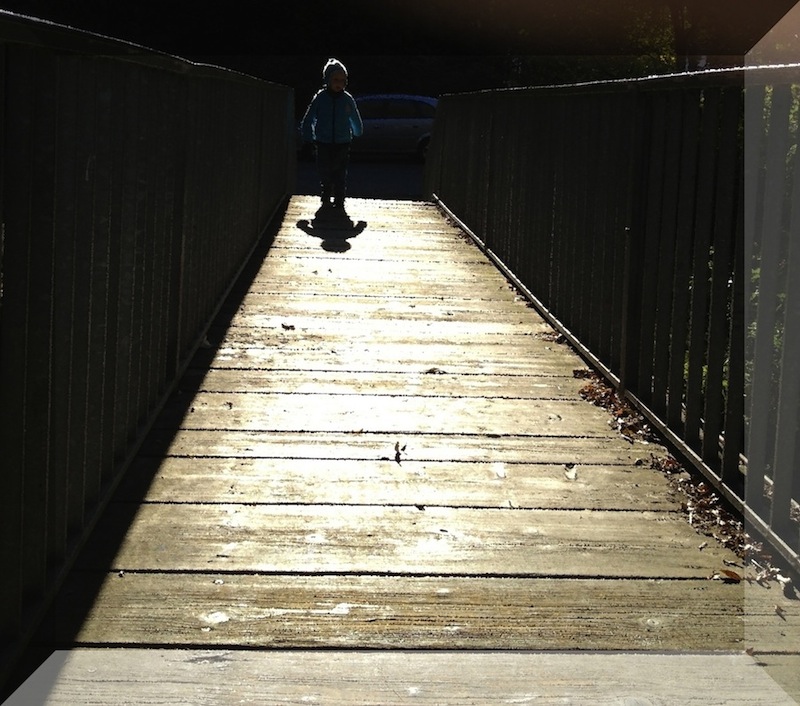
628, 212
133, 187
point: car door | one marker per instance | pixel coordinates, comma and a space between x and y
373, 111
402, 126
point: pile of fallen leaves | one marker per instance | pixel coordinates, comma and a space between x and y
705, 509
625, 418
711, 516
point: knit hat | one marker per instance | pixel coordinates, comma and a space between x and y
330, 66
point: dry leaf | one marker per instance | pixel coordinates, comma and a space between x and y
731, 575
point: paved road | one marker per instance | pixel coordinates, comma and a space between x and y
370, 178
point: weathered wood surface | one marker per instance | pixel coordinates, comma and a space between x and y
382, 612
103, 677
402, 540
383, 446
313, 481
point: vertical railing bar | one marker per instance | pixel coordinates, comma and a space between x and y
733, 440
83, 397
684, 248
102, 402
178, 253
664, 298
650, 236
39, 334
61, 444
724, 236
636, 216
698, 324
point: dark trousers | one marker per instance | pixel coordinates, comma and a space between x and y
332, 163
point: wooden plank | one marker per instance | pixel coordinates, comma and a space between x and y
271, 308
112, 677
472, 336
379, 324
397, 414
407, 283
211, 609
772, 619
451, 340
417, 279
772, 632
384, 357
373, 482
391, 243
401, 541
419, 447
353, 382
411, 288
434, 272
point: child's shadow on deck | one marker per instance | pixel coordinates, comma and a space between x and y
334, 227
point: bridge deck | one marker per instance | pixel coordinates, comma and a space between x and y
385, 447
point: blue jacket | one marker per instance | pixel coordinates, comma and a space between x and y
331, 118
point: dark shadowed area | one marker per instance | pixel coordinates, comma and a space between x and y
371, 178
435, 47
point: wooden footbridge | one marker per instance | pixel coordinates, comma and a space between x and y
383, 446
381, 457
256, 452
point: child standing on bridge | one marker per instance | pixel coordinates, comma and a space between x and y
330, 122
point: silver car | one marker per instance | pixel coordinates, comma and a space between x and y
395, 124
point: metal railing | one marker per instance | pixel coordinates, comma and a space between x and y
619, 208
133, 188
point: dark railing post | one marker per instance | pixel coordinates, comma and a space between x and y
733, 442
182, 134
718, 349
631, 311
